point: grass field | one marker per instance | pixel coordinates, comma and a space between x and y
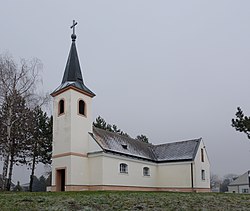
107, 200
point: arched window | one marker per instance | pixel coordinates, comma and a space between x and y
146, 171
61, 107
81, 107
123, 168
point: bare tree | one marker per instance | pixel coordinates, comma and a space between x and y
215, 182
16, 79
227, 179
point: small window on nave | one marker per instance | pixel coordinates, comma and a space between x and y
146, 171
123, 168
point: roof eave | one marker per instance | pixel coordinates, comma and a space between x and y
175, 161
129, 155
55, 93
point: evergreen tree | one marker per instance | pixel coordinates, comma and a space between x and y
102, 124
241, 123
142, 138
15, 121
39, 185
39, 146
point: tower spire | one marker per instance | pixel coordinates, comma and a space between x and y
72, 73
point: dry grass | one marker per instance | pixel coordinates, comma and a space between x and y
108, 200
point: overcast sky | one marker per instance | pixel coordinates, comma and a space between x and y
172, 70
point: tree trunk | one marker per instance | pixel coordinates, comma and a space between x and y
5, 171
7, 157
10, 171
33, 169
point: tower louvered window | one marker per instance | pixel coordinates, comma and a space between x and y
61, 107
81, 108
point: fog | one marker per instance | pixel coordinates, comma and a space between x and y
172, 70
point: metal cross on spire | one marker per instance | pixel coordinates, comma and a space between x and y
73, 26
73, 36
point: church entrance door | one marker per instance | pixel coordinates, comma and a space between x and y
60, 180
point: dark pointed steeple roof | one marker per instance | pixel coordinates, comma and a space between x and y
72, 70
72, 77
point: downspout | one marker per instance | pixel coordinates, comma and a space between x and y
249, 178
192, 177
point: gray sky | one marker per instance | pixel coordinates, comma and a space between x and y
172, 70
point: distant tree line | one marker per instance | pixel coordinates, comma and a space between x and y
39, 184
221, 184
25, 129
102, 124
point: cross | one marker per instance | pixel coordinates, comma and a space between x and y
73, 26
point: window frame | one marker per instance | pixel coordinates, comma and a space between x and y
203, 175
84, 108
146, 171
59, 107
202, 155
245, 190
123, 168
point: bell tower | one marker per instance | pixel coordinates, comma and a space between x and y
72, 115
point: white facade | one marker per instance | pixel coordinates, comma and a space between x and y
239, 189
241, 184
70, 137
88, 166
80, 162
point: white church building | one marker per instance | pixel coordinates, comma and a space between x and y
89, 158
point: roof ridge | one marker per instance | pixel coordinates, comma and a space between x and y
197, 139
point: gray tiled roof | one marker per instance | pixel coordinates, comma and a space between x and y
241, 180
115, 143
182, 150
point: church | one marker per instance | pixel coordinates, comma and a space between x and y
88, 158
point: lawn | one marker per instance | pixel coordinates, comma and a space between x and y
108, 200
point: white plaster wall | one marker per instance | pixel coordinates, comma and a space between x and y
112, 175
61, 163
61, 124
238, 188
71, 135
79, 171
93, 146
241, 187
80, 125
198, 166
95, 170
71, 125
174, 175
233, 189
